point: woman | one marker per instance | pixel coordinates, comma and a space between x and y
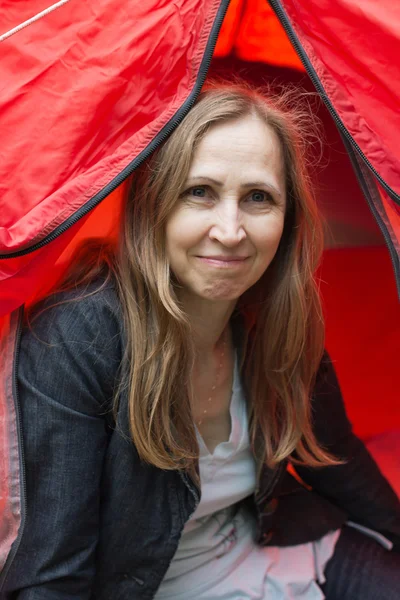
163, 395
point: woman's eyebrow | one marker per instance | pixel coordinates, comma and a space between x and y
204, 178
264, 184
244, 186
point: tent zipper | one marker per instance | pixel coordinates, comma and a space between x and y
155, 143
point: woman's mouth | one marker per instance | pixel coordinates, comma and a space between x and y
227, 262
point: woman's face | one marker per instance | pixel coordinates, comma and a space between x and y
226, 227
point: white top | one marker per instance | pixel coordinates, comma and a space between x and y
217, 556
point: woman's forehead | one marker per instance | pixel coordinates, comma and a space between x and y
248, 146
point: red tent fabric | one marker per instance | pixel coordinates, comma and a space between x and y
90, 85
89, 89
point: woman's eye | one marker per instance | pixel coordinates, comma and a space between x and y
259, 196
198, 192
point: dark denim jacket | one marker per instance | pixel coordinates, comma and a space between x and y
97, 522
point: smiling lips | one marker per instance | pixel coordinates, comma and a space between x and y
224, 261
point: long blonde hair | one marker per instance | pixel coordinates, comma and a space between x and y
285, 344
285, 336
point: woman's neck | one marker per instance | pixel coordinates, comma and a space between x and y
209, 321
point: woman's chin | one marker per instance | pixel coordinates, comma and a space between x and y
222, 293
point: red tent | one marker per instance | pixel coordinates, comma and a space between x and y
89, 90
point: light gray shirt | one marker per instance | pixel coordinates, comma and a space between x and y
217, 556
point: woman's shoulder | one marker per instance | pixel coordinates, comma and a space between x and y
86, 316
71, 346
98, 297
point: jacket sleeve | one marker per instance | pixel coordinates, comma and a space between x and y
357, 486
67, 365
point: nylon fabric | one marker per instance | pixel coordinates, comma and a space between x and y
252, 31
126, 72
352, 48
103, 78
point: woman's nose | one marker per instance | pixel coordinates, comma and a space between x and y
227, 228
